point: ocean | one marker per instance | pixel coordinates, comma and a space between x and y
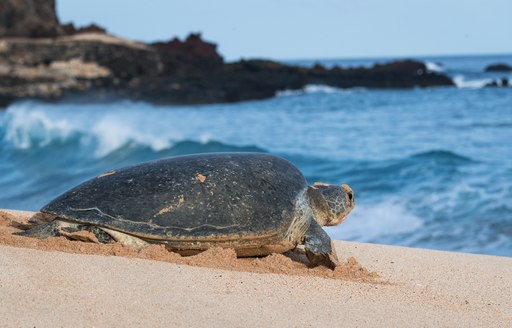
430, 167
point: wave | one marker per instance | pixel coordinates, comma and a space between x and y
33, 129
211, 146
25, 130
492, 125
441, 155
311, 89
434, 67
461, 82
370, 222
388, 167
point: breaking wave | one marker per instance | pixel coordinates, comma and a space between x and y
434, 67
462, 82
371, 222
311, 89
25, 128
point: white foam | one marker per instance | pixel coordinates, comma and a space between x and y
26, 128
433, 67
310, 89
111, 133
318, 88
28, 125
205, 138
367, 223
461, 82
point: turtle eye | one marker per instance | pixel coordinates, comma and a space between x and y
350, 195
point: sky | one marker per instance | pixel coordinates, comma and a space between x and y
309, 29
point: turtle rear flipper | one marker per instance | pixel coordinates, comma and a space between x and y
126, 239
319, 248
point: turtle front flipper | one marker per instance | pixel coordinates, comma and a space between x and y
319, 248
70, 230
45, 230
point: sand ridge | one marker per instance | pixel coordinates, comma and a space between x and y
293, 263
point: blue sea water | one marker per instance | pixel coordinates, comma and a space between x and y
430, 167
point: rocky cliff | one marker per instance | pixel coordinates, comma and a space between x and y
29, 18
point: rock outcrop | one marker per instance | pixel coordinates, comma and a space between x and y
498, 68
173, 73
498, 83
29, 19
189, 56
64, 61
71, 29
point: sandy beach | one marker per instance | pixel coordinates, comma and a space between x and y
159, 166
57, 282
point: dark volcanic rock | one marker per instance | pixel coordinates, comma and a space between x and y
28, 18
87, 61
498, 68
193, 46
503, 82
51, 68
259, 79
186, 57
123, 59
70, 29
175, 73
243, 80
398, 74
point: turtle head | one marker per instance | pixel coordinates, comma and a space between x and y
330, 203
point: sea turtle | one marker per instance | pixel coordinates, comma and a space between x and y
255, 203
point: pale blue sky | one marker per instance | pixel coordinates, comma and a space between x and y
309, 29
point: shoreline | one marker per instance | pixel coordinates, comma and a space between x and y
422, 288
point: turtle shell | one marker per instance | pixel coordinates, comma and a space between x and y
196, 198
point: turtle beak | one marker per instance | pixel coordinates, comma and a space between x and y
350, 195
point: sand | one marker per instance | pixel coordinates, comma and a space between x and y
57, 282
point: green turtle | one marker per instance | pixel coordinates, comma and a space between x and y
255, 203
